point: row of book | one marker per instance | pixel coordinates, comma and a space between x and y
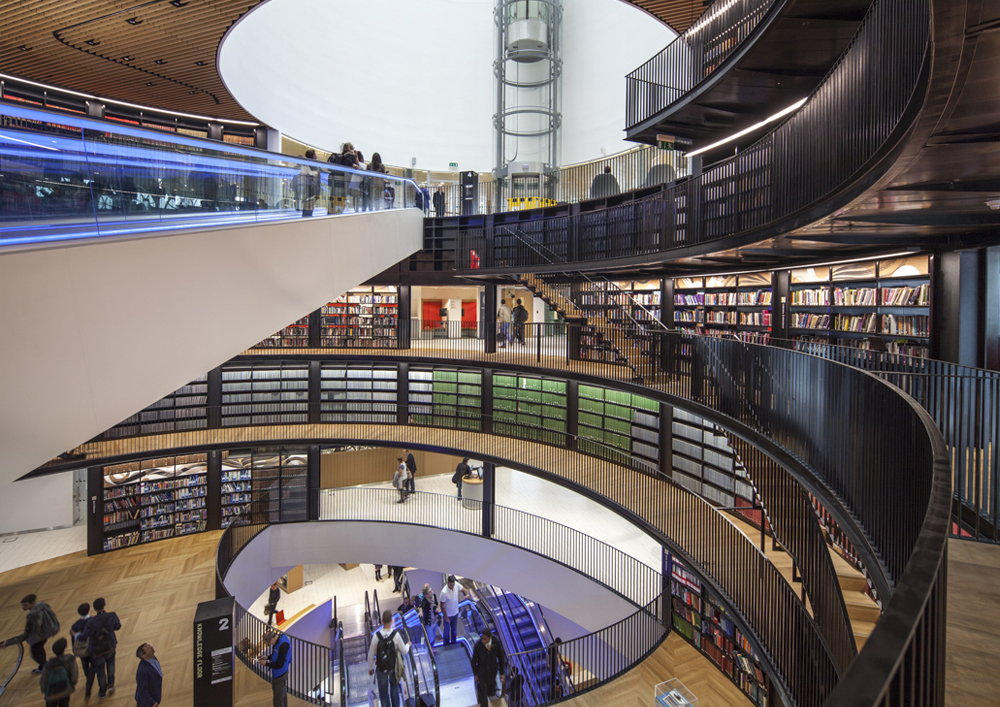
906, 296
854, 297
755, 318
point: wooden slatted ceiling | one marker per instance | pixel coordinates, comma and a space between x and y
57, 32
83, 45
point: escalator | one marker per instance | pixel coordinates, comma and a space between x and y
10, 662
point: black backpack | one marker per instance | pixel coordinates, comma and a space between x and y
56, 681
102, 644
385, 653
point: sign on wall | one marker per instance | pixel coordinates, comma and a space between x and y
213, 653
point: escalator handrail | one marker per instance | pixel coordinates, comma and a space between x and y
343, 665
413, 661
377, 616
434, 664
17, 666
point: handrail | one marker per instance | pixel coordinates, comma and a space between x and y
433, 660
69, 177
776, 179
344, 677
17, 666
693, 57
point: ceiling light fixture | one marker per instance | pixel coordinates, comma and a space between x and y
92, 42
126, 58
994, 204
24, 48
177, 3
150, 109
777, 116
199, 63
160, 62
134, 21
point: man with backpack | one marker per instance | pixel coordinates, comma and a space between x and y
386, 645
40, 625
81, 646
100, 631
59, 676
411, 466
520, 317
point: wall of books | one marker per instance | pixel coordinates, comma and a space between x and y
722, 305
618, 425
365, 317
699, 617
446, 397
704, 462
265, 393
530, 407
358, 392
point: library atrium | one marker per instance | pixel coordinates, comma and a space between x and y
324, 316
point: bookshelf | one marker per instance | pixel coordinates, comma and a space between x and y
294, 335
725, 306
700, 618
619, 425
445, 397
278, 474
704, 463
265, 393
358, 392
154, 499
364, 317
237, 488
184, 409
851, 303
530, 407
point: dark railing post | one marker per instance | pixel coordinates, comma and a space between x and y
215, 398
489, 494
489, 318
315, 392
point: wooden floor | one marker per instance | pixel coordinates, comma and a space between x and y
973, 654
154, 589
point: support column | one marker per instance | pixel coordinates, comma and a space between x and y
95, 510
404, 322
215, 398
572, 413
780, 300
213, 498
315, 394
313, 482
215, 131
315, 328
489, 496
486, 401
666, 439
489, 318
403, 394
95, 109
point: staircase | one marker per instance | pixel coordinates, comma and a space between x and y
619, 339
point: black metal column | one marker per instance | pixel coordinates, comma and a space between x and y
489, 318
489, 496
313, 481
214, 491
780, 300
486, 401
572, 413
403, 394
315, 394
315, 328
215, 398
404, 333
95, 510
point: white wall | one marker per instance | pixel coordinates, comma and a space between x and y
603, 41
569, 593
415, 79
93, 333
33, 504
398, 77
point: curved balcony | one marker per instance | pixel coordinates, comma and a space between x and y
826, 153
770, 390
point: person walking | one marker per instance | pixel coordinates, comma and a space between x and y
81, 646
429, 614
397, 577
411, 467
40, 625
520, 317
273, 596
148, 677
278, 661
504, 316
487, 663
59, 676
460, 472
378, 573
385, 646
374, 185
439, 202
451, 594
100, 631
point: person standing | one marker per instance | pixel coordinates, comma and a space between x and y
397, 577
429, 614
308, 185
273, 596
100, 630
515, 688
278, 661
375, 185
148, 678
439, 202
59, 676
378, 573
487, 663
39, 626
356, 182
399, 479
460, 472
504, 317
604, 185
520, 318
81, 646
451, 594
411, 468
382, 652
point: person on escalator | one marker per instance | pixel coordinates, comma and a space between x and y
429, 614
487, 662
382, 651
515, 688
451, 594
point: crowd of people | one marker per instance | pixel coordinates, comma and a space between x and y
93, 641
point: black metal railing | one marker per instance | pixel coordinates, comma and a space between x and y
692, 58
813, 155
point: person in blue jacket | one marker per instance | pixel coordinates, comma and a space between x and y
148, 678
278, 661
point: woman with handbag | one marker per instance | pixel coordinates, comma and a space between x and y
429, 612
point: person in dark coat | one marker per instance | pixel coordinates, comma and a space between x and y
77, 631
102, 662
487, 661
273, 596
411, 466
148, 678
439, 202
604, 185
